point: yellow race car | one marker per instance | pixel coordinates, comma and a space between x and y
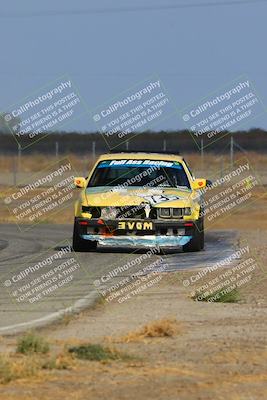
142, 200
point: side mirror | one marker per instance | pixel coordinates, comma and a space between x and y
80, 182
199, 184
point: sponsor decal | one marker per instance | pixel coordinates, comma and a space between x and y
157, 199
139, 163
136, 225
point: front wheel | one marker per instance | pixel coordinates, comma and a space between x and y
79, 244
198, 240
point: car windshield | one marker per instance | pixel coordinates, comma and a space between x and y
133, 173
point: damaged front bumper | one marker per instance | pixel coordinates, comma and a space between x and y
163, 233
139, 241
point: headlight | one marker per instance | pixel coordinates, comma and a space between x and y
165, 212
187, 211
177, 212
95, 211
108, 213
180, 212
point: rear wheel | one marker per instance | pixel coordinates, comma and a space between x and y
79, 244
198, 240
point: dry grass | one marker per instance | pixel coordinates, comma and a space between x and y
156, 329
16, 366
216, 161
31, 361
32, 357
37, 162
62, 361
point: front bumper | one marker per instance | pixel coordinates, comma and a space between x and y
164, 233
139, 241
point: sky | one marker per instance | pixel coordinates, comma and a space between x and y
107, 46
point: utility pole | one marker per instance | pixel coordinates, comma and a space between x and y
93, 149
19, 156
57, 149
164, 145
202, 153
14, 171
232, 151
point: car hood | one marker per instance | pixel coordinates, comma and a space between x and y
156, 197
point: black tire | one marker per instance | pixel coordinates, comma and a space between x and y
79, 244
198, 240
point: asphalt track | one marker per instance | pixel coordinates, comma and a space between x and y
78, 287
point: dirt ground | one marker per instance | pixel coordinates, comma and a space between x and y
219, 350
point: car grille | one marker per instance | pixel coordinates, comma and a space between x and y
126, 212
136, 212
132, 212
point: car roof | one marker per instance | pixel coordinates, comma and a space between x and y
140, 156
